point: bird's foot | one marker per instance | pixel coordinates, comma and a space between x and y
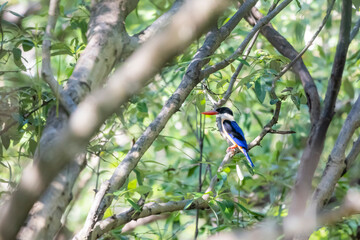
232, 148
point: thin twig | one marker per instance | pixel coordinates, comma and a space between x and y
229, 90
293, 61
46, 71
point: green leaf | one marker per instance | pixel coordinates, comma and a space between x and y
242, 207
142, 107
299, 31
61, 52
17, 58
296, 101
2, 6
218, 74
244, 62
17, 53
5, 141
27, 45
139, 176
188, 204
16, 14
2, 53
132, 184
227, 208
200, 102
232, 68
191, 171
260, 91
222, 176
134, 205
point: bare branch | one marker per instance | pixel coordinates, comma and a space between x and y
46, 71
149, 209
45, 218
351, 157
159, 23
281, 131
130, 226
268, 127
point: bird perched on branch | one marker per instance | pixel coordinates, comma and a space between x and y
230, 130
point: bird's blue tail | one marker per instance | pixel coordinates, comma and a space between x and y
247, 157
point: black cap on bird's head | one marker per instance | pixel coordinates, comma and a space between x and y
221, 110
225, 110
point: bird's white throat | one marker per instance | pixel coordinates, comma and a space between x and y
225, 116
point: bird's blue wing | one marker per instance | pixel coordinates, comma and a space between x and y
238, 135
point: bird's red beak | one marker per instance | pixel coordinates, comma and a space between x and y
212, 112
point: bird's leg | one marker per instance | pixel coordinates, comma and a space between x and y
232, 148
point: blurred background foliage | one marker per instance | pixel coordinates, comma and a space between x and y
170, 168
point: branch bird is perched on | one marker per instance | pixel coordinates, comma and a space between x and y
230, 130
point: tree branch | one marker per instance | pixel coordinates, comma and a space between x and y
46, 71
351, 157
287, 50
311, 155
149, 209
336, 161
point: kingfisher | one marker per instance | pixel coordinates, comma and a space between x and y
230, 130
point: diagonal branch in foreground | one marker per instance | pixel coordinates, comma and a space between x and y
106, 41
